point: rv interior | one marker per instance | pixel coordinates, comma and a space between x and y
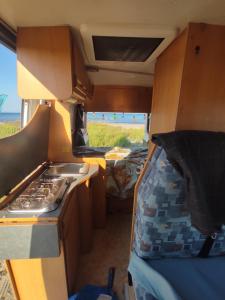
92, 212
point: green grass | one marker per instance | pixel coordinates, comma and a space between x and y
100, 135
9, 128
104, 135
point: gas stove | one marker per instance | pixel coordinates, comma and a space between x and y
42, 195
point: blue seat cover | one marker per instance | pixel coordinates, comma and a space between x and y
180, 278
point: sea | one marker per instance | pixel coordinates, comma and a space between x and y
127, 118
9, 117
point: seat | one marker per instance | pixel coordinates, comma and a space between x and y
178, 278
164, 263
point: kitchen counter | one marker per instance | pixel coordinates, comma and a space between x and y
39, 235
6, 216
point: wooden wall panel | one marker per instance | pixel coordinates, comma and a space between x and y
202, 97
99, 196
189, 89
40, 279
84, 197
166, 88
120, 99
80, 74
70, 233
22, 152
60, 139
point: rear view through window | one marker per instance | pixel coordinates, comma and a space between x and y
117, 129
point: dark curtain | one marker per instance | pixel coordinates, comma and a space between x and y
79, 131
80, 145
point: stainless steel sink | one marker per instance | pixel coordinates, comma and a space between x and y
67, 169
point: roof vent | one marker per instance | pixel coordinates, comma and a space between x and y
129, 49
133, 47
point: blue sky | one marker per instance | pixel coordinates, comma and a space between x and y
8, 81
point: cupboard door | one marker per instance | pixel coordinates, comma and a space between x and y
44, 62
84, 195
71, 241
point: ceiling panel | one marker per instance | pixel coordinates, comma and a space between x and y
166, 13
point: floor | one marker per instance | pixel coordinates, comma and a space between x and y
5, 287
110, 249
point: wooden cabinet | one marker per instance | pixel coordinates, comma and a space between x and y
50, 65
52, 277
39, 278
188, 91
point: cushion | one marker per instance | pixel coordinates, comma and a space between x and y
178, 278
163, 224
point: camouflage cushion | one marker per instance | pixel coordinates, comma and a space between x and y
163, 225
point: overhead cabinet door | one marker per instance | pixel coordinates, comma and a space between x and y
50, 65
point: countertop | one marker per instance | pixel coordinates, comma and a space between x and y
5, 216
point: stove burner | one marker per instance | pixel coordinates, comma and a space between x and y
26, 203
42, 195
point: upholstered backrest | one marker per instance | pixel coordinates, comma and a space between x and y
163, 225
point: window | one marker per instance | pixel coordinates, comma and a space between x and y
10, 104
128, 130
101, 133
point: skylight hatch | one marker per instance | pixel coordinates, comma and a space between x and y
127, 49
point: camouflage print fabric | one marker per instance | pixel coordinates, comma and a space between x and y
122, 174
163, 225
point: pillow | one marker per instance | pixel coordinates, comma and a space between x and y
163, 224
